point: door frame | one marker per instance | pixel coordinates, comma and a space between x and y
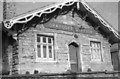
79, 62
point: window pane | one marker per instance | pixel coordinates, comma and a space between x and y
44, 46
99, 46
38, 39
95, 49
95, 45
93, 53
50, 51
44, 52
39, 50
44, 39
49, 40
98, 50
92, 45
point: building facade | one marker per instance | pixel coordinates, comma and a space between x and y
56, 51
73, 40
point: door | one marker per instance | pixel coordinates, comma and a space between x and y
73, 53
115, 60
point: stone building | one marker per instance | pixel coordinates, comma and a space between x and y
65, 37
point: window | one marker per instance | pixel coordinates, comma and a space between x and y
95, 48
45, 47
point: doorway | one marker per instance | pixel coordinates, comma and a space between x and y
74, 56
115, 60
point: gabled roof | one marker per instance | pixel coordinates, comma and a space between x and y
81, 8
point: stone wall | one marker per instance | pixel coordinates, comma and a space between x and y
27, 52
12, 52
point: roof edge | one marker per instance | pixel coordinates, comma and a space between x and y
25, 18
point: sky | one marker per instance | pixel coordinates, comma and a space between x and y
108, 10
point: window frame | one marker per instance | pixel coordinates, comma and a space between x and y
47, 59
101, 53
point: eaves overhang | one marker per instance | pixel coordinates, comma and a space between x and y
105, 27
